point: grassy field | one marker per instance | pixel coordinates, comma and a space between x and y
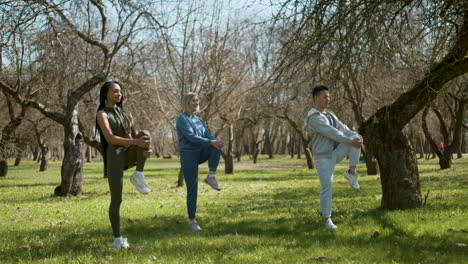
267, 213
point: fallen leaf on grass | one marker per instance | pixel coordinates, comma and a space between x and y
130, 221
320, 258
461, 244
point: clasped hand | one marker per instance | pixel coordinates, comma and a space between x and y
357, 142
145, 142
217, 143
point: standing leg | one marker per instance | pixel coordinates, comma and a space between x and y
325, 169
115, 161
189, 163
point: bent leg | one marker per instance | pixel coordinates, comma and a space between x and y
213, 156
135, 154
344, 150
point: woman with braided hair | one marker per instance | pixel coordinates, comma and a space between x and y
124, 147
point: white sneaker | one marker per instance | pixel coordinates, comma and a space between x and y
211, 181
193, 225
138, 179
121, 243
352, 179
329, 224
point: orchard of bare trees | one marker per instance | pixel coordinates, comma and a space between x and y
397, 72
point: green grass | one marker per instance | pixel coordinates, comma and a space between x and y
263, 215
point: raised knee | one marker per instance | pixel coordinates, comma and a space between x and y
144, 133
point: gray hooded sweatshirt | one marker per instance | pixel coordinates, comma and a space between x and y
324, 134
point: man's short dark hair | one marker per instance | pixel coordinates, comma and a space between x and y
317, 89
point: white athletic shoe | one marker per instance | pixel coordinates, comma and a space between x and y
193, 225
329, 224
121, 243
211, 181
352, 179
138, 179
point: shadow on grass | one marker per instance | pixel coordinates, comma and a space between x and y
20, 185
168, 235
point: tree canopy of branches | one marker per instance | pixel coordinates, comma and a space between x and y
329, 37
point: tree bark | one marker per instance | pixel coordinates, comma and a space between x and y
3, 168
308, 155
44, 160
228, 157
371, 163
180, 178
268, 148
292, 144
382, 132
398, 168
299, 143
19, 156
72, 165
88, 154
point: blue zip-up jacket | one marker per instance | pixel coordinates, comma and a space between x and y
192, 132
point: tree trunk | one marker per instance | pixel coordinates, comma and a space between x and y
36, 153
398, 168
421, 147
180, 178
157, 149
371, 163
88, 154
72, 164
298, 147
292, 144
460, 149
19, 156
44, 159
3, 168
268, 148
228, 158
255, 154
445, 160
308, 154
229, 164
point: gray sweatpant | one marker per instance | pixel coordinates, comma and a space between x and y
325, 168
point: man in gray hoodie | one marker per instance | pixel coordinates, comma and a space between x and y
331, 142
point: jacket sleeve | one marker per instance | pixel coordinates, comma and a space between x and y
343, 128
187, 132
207, 133
316, 123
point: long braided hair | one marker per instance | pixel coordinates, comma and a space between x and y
102, 104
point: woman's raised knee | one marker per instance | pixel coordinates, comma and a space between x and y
144, 133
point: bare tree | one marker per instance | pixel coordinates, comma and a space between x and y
66, 25
320, 26
455, 104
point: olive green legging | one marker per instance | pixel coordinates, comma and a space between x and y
120, 158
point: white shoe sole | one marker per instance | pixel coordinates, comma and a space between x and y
213, 187
142, 191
